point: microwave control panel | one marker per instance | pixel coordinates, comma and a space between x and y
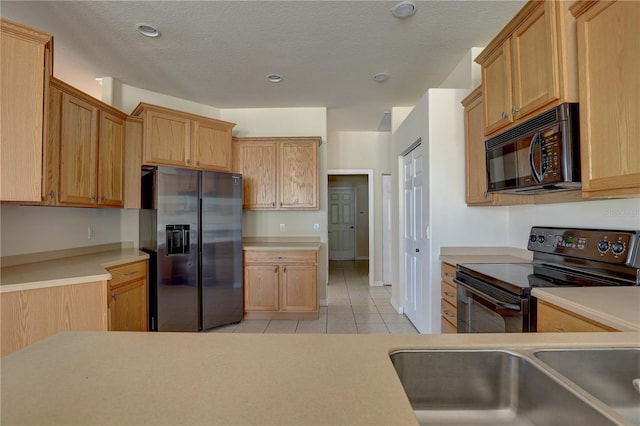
610, 246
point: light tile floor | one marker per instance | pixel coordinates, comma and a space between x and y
354, 308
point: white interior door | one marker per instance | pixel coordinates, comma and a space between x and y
386, 229
413, 243
342, 217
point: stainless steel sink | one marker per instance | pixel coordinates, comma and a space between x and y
493, 387
607, 374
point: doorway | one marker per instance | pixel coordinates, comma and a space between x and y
361, 182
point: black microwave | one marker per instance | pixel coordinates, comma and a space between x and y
541, 154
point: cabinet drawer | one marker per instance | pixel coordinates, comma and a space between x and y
447, 327
554, 319
126, 273
449, 312
281, 257
448, 292
448, 273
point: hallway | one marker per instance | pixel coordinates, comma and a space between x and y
354, 308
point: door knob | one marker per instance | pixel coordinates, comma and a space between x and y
417, 250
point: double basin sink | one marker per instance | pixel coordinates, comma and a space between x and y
522, 387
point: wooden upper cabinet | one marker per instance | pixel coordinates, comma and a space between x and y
530, 66
25, 69
78, 151
176, 138
211, 146
299, 175
609, 59
256, 160
278, 173
84, 151
111, 160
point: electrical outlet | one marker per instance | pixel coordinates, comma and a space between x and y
90, 233
282, 227
316, 226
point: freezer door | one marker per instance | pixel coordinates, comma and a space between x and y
221, 264
177, 239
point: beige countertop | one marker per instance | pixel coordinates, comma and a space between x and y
109, 378
66, 270
457, 255
281, 243
617, 307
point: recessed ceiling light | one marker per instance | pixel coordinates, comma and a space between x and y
147, 30
381, 76
404, 9
274, 78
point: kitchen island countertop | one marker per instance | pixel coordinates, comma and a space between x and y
107, 378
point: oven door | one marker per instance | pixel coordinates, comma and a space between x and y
483, 308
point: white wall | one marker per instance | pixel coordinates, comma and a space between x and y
370, 151
439, 121
467, 74
33, 229
126, 97
607, 214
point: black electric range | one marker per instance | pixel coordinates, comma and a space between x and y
561, 257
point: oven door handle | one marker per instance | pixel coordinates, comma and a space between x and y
509, 306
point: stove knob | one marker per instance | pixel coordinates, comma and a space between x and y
532, 238
603, 246
541, 239
617, 247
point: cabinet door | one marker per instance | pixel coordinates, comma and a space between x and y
535, 61
496, 83
166, 139
211, 147
553, 319
128, 307
476, 176
609, 63
298, 187
261, 288
298, 288
258, 167
24, 70
111, 160
78, 152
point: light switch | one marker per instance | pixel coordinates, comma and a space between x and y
282, 227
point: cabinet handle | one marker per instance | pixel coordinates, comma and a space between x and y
114, 296
197, 163
514, 110
504, 115
128, 274
52, 194
273, 204
560, 330
94, 198
188, 161
276, 269
446, 293
104, 198
285, 269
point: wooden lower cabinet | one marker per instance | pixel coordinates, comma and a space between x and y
128, 297
281, 284
554, 319
448, 292
29, 316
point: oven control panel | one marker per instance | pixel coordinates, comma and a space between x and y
610, 246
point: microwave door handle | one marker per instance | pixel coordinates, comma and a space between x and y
536, 141
509, 306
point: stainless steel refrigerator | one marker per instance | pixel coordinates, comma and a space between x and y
191, 226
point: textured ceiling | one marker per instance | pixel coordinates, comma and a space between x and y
219, 52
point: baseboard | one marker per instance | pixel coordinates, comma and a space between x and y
378, 284
324, 302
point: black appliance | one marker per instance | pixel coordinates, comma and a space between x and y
496, 297
541, 154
